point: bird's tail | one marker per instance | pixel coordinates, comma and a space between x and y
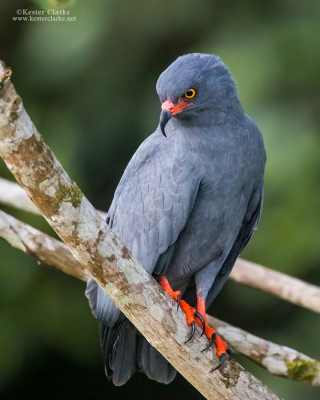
125, 351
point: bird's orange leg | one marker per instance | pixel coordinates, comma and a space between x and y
192, 315
198, 317
222, 348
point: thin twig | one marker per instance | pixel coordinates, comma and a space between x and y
284, 286
12, 195
44, 248
278, 360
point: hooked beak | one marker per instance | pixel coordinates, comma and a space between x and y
164, 119
169, 110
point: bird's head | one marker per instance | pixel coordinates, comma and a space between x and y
195, 83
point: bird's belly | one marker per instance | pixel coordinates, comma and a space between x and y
208, 238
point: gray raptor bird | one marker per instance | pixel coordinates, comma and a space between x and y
186, 206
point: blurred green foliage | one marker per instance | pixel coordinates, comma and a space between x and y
89, 86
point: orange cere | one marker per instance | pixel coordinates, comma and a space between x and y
175, 109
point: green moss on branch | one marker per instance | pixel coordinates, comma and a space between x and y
302, 370
71, 194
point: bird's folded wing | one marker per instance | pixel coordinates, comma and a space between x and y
150, 208
154, 199
249, 225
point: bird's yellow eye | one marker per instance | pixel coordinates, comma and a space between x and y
190, 93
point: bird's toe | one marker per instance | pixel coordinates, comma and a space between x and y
193, 329
222, 348
229, 352
222, 359
201, 319
178, 300
212, 340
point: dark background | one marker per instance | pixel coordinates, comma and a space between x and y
89, 86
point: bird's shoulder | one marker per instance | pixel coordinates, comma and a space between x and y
152, 155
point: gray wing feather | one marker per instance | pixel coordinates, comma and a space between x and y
150, 208
249, 225
102, 307
153, 200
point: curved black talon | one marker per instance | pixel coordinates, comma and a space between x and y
213, 338
178, 301
229, 352
193, 329
222, 359
199, 316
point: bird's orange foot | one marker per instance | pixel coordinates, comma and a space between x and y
176, 295
192, 315
192, 318
222, 348
198, 317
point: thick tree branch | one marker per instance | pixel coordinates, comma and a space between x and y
279, 360
92, 243
245, 272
